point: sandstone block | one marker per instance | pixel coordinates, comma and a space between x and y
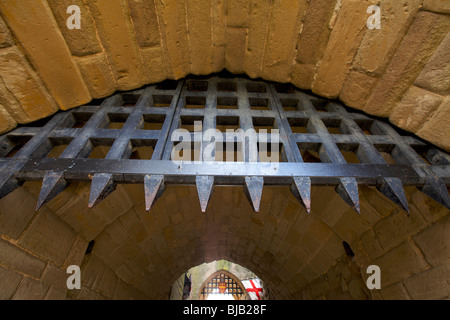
302, 75
55, 277
416, 106
396, 227
53, 60
238, 13
436, 129
395, 291
24, 205
33, 101
378, 45
400, 263
235, 50
7, 122
430, 284
9, 281
97, 74
357, 89
118, 37
55, 294
257, 34
423, 37
200, 39
83, 41
281, 39
342, 45
172, 21
154, 64
77, 252
17, 259
315, 32
49, 237
435, 76
145, 22
435, 242
30, 289
437, 5
5, 36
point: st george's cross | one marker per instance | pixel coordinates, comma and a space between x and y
254, 288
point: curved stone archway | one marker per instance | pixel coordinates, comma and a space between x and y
399, 71
297, 255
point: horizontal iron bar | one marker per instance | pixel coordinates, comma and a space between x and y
126, 170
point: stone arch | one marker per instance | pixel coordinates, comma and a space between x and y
323, 47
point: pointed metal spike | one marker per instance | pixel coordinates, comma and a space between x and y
102, 185
436, 189
8, 184
205, 186
154, 188
301, 189
392, 188
253, 188
52, 185
348, 190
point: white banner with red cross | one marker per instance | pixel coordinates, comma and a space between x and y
254, 288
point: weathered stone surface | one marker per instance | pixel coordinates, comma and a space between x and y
33, 30
342, 45
13, 225
9, 281
436, 129
15, 258
121, 47
30, 289
81, 41
435, 242
172, 22
22, 82
435, 76
238, 13
395, 291
423, 37
378, 45
357, 89
302, 75
437, 5
97, 75
235, 54
257, 34
281, 38
315, 32
6, 121
399, 263
393, 229
200, 39
429, 285
5, 36
143, 15
416, 106
49, 237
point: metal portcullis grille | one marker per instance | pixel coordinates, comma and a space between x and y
131, 138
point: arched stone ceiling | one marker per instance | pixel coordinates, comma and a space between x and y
400, 71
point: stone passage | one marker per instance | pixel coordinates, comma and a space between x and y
139, 255
400, 71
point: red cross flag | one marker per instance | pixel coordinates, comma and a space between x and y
254, 288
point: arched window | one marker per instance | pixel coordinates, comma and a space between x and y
222, 285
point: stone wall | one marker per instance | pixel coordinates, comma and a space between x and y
400, 71
139, 255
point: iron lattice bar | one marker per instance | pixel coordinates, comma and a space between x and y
320, 142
